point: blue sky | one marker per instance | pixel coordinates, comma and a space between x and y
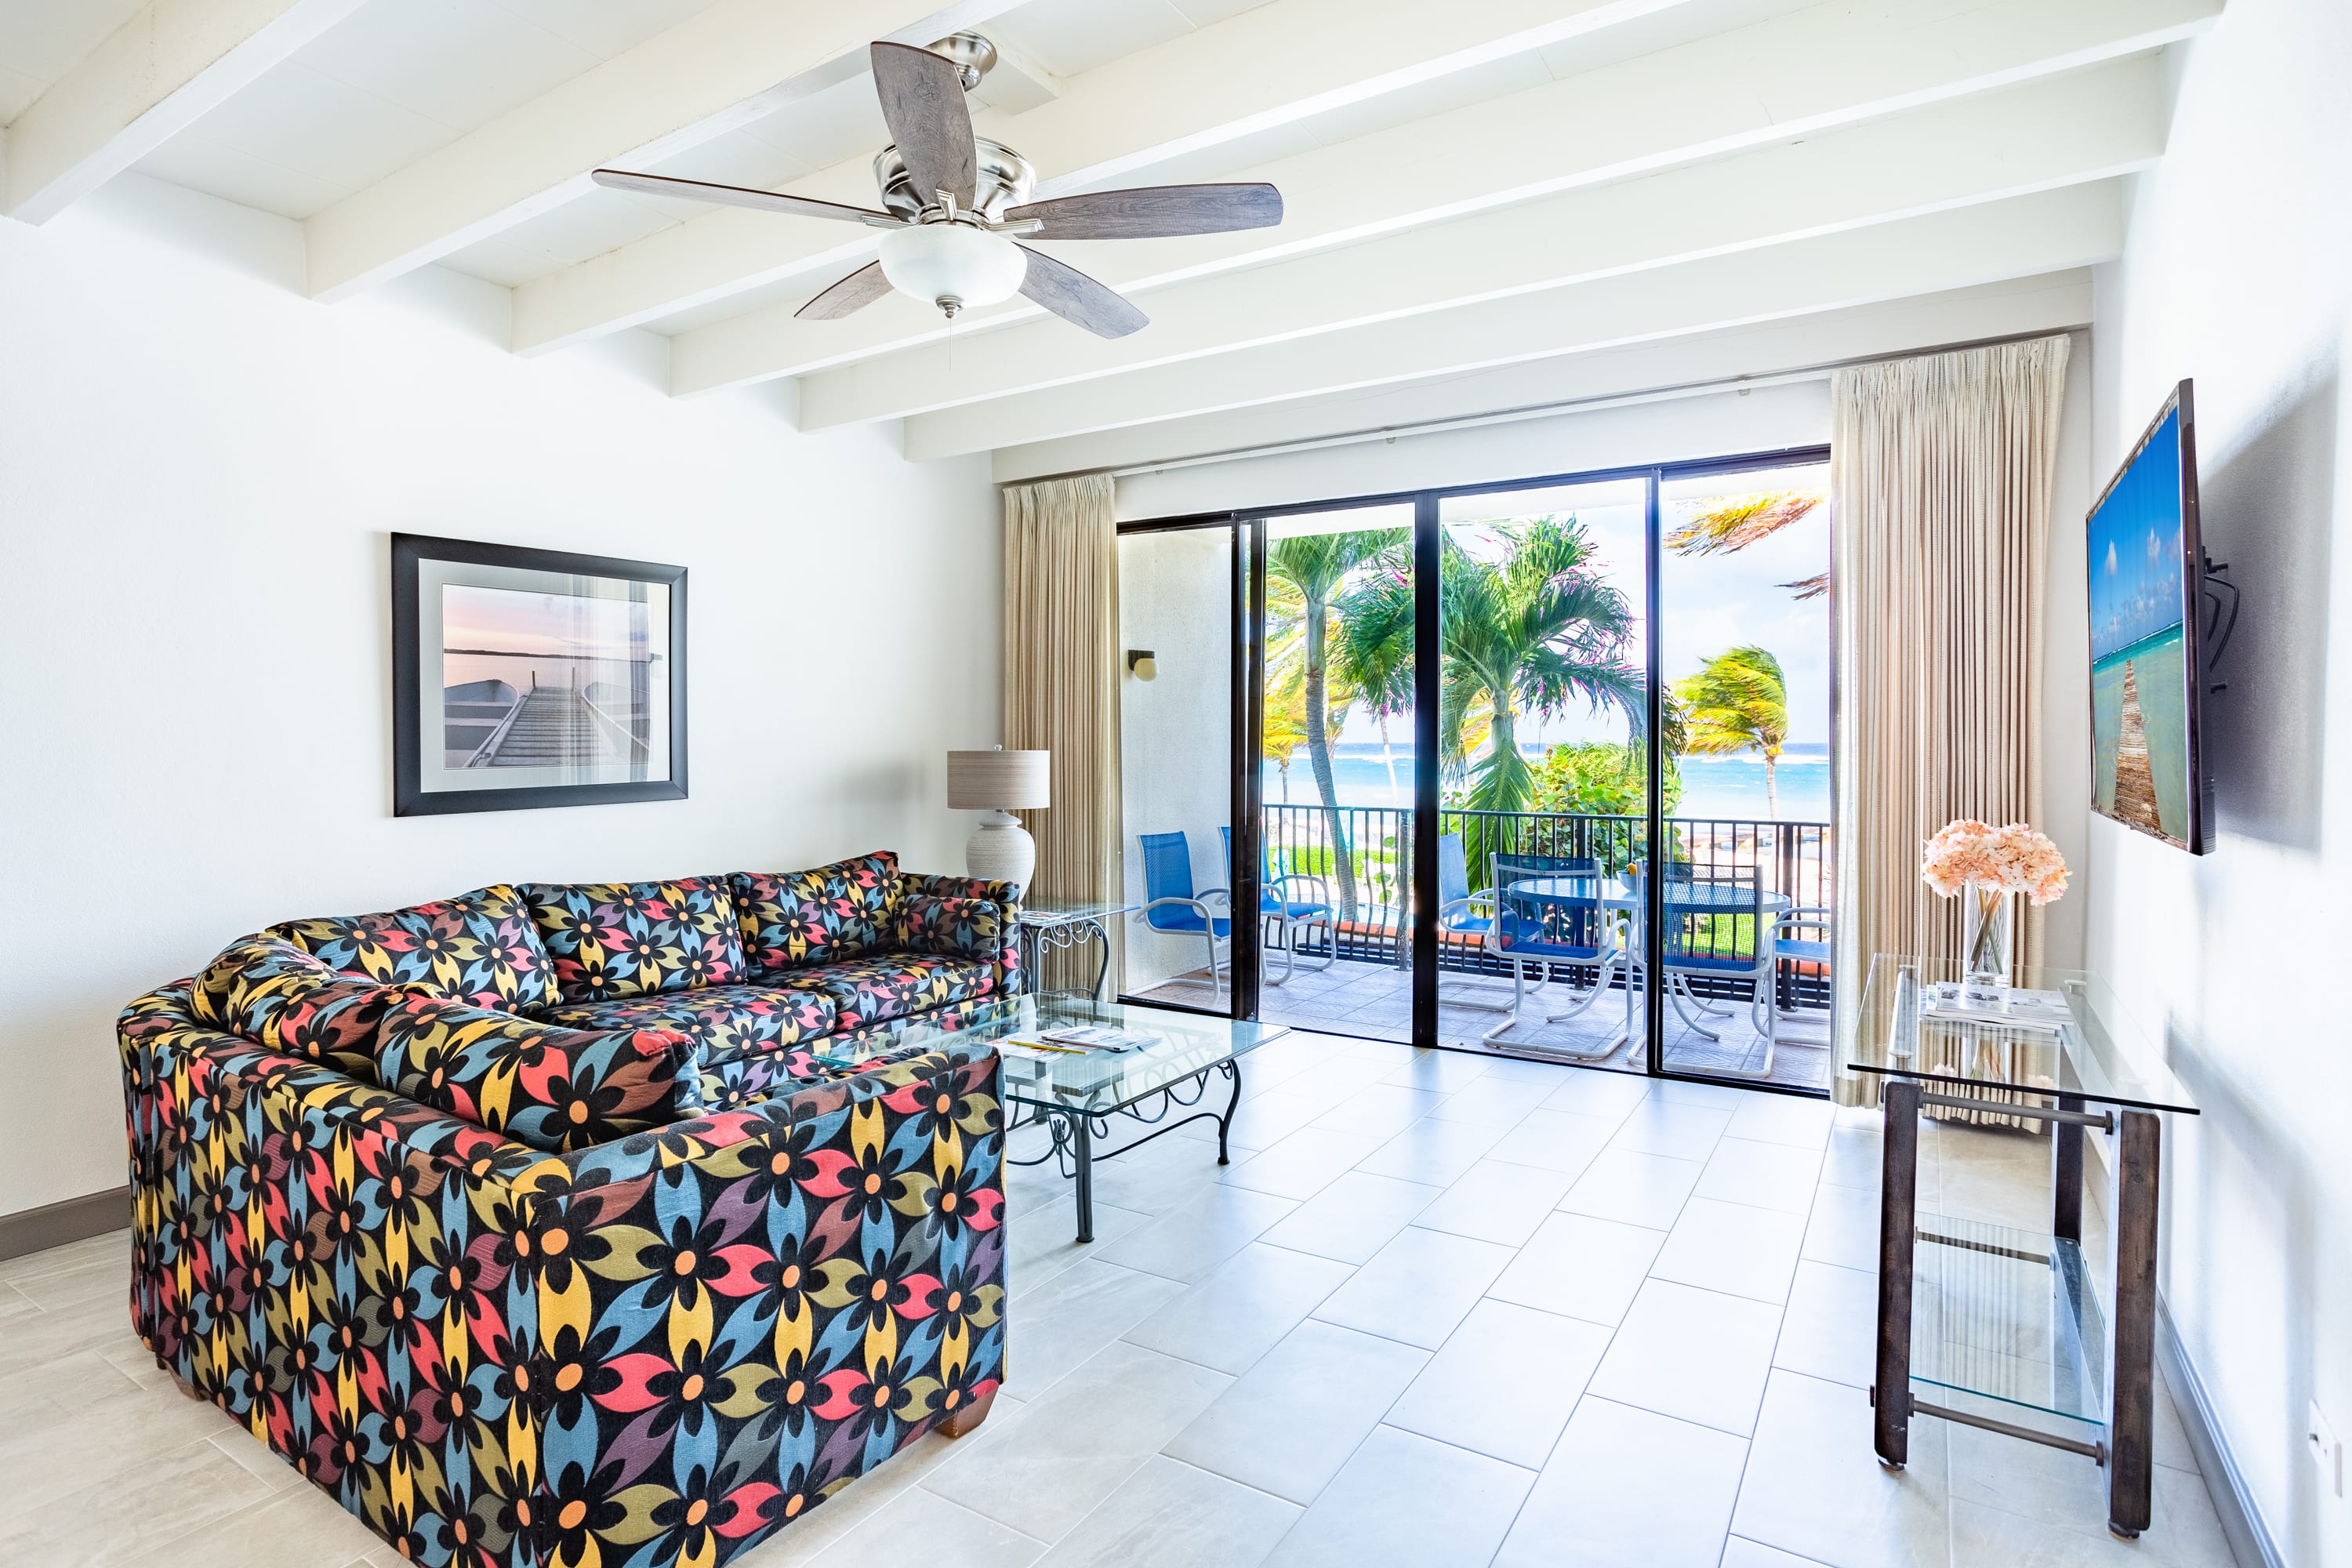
2135, 545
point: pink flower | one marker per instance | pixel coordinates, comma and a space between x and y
2014, 858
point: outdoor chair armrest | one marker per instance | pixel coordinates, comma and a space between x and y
1303, 879
1195, 905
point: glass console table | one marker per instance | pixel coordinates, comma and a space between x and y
1997, 1327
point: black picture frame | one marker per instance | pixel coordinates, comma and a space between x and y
412, 794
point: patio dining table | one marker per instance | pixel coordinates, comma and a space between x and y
1621, 897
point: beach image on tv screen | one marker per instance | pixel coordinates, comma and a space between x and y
2139, 674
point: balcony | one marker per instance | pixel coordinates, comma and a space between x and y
1362, 857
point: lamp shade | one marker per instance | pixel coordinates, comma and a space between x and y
998, 780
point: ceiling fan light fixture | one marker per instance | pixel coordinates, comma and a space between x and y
954, 265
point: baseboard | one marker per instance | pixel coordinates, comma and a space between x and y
54, 1224
2241, 1521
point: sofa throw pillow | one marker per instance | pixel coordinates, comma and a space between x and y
954, 928
554, 1088
795, 919
248, 974
634, 939
267, 990
478, 947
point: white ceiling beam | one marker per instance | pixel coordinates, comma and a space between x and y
1264, 68
719, 69
153, 77
2046, 232
1983, 149
1804, 73
1545, 388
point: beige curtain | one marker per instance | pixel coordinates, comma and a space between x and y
1061, 684
1940, 473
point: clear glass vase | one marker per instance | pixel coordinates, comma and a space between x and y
1984, 946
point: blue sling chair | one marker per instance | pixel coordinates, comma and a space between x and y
1461, 912
1285, 915
1693, 896
1557, 924
1171, 905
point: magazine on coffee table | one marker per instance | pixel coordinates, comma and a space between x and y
1098, 1038
2017, 1009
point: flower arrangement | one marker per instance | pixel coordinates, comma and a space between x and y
2012, 860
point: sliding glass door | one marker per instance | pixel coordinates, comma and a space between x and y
1540, 768
1744, 619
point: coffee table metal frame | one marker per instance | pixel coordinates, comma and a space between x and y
1075, 1128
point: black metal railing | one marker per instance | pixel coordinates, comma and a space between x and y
1358, 860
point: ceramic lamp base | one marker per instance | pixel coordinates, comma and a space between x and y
1001, 850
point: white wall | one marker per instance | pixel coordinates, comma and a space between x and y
1175, 598
2238, 272
198, 471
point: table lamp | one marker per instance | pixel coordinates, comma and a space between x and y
997, 783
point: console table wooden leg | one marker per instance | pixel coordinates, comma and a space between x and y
2066, 1173
2131, 1403
1899, 1187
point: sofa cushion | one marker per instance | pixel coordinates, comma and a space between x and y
636, 939
269, 990
729, 1020
553, 1088
795, 919
894, 984
478, 947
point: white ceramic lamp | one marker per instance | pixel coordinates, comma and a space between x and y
997, 784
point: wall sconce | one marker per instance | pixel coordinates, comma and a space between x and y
1141, 663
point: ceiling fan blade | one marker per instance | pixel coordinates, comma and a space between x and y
1078, 299
1150, 212
854, 292
922, 99
735, 196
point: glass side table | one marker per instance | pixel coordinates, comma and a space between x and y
1049, 924
2011, 1321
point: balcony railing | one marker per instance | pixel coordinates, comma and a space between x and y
1363, 857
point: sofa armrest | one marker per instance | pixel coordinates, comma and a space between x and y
323, 1259
826, 1266
917, 891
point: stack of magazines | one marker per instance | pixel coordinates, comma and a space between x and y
2016, 1009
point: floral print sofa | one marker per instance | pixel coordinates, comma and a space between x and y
531, 1227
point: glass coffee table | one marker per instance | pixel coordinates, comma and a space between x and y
1081, 1098
2000, 1327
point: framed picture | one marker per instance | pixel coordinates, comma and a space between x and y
533, 677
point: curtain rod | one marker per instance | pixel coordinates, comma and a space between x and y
1662, 393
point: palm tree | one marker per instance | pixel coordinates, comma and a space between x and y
1738, 702
1526, 635
1732, 523
1316, 567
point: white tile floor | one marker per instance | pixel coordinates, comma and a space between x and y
1440, 1311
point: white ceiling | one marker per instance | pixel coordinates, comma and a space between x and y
1444, 165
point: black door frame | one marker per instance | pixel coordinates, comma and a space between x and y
1247, 528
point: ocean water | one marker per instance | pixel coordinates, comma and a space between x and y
2158, 664
1712, 787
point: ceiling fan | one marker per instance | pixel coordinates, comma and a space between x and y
955, 202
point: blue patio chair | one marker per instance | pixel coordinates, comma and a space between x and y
1787, 949
1461, 912
1693, 896
1548, 910
1285, 915
1171, 905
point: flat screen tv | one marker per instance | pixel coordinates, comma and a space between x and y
2147, 584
